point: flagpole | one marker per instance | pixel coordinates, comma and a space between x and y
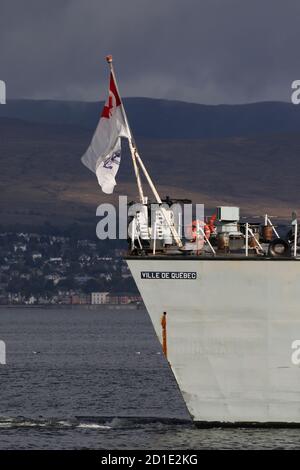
136, 157
130, 140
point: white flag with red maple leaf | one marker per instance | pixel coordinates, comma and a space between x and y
104, 153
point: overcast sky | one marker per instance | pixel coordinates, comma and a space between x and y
205, 51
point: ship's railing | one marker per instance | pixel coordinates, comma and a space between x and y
295, 237
249, 231
200, 229
269, 222
260, 249
252, 241
154, 240
135, 235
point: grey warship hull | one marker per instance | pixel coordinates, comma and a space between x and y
232, 332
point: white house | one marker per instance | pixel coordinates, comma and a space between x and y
98, 298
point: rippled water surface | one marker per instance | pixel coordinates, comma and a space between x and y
79, 378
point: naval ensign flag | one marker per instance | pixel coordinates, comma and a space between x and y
104, 153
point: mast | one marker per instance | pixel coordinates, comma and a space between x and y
136, 158
132, 146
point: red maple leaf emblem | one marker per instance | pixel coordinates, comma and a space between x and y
113, 99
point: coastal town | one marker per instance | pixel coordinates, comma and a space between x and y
53, 269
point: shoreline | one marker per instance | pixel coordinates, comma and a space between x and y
76, 306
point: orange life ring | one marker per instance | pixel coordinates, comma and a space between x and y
207, 228
192, 233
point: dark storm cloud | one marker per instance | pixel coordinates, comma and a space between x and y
209, 51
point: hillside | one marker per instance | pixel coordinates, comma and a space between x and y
42, 178
163, 119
